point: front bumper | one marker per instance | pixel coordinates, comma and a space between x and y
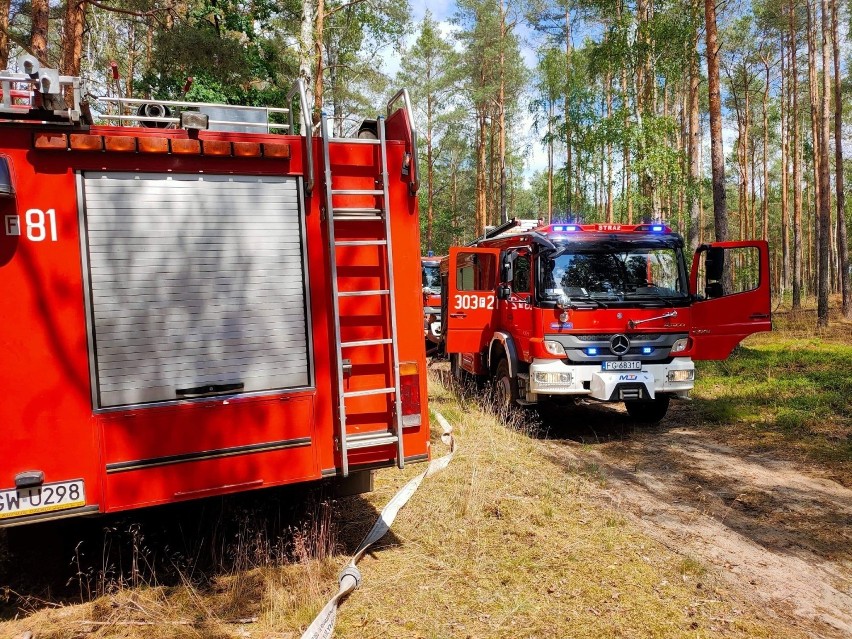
555, 377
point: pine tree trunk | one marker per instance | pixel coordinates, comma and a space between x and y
842, 240
318, 60
825, 177
694, 183
816, 192
72, 42
720, 213
5, 5
38, 33
481, 143
549, 162
501, 106
569, 168
797, 165
430, 169
609, 202
306, 49
785, 152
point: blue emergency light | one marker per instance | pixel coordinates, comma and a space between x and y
657, 228
591, 351
647, 350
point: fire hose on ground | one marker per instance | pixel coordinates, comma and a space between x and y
350, 577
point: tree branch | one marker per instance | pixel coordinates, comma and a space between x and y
343, 6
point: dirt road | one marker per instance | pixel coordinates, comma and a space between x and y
775, 531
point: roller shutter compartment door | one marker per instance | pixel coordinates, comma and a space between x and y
194, 281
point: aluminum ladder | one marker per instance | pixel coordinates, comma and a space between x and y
335, 215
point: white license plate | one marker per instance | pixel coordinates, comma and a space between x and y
622, 366
17, 502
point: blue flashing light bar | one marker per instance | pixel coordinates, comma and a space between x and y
658, 228
566, 227
647, 350
591, 351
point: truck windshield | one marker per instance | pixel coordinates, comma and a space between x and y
614, 273
432, 277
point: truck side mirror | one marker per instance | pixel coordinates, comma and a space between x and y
715, 263
504, 292
506, 272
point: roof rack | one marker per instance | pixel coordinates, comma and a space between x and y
166, 114
38, 94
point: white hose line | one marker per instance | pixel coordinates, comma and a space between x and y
350, 577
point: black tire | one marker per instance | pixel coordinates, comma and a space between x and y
650, 412
505, 387
456, 371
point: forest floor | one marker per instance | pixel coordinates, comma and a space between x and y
732, 518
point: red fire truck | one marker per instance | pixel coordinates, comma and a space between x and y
431, 270
189, 309
599, 311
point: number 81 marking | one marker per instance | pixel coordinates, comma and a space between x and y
39, 223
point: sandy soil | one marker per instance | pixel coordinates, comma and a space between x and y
778, 533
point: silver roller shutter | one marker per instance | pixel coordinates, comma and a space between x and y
194, 281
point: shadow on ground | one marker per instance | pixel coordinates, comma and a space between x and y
79, 559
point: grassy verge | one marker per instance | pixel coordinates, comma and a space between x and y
506, 542
788, 392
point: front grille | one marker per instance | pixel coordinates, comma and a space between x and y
605, 337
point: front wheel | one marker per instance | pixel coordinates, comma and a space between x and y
650, 412
505, 388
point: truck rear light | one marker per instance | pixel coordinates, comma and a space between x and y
409, 387
186, 146
553, 347
681, 376
247, 149
153, 145
681, 345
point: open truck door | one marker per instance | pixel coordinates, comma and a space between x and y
730, 283
471, 298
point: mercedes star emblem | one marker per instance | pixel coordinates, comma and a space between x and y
619, 344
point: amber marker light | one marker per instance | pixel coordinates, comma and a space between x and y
276, 151
246, 149
216, 147
120, 143
186, 147
51, 141
153, 145
86, 142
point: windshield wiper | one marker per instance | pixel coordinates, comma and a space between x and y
666, 301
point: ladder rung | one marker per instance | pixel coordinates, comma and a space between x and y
362, 293
361, 243
371, 391
370, 440
365, 342
372, 141
357, 192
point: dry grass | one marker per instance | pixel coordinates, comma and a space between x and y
504, 543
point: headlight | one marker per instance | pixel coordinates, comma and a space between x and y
681, 376
554, 348
680, 345
553, 378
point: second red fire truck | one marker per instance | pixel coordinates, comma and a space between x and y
608, 312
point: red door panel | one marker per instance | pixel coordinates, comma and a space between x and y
737, 302
471, 298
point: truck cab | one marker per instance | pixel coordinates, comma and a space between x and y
609, 312
430, 268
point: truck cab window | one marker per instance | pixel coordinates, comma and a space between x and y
476, 272
521, 276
